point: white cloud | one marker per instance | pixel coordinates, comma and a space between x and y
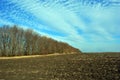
83, 26
3, 22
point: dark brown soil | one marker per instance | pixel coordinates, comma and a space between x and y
62, 67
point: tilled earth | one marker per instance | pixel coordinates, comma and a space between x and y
62, 67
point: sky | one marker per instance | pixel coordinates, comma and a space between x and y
89, 25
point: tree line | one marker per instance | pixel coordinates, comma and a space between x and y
15, 41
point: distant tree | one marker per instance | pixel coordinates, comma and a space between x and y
15, 41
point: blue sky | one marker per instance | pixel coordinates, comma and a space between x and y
90, 25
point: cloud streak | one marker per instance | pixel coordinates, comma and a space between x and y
81, 23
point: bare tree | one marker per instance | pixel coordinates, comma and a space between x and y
15, 41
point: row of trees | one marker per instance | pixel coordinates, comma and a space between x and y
16, 41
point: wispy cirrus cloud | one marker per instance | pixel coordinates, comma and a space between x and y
81, 23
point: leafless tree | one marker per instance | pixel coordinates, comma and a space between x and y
16, 41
